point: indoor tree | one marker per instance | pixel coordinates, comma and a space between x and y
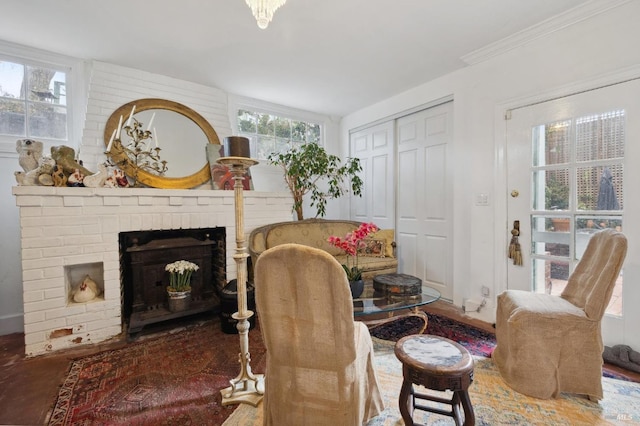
308, 167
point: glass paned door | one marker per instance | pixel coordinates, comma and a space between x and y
572, 170
577, 177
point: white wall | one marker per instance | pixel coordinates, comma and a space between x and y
581, 55
10, 271
112, 86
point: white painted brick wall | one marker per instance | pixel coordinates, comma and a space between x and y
76, 226
112, 86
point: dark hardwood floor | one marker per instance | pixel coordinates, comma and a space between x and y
28, 386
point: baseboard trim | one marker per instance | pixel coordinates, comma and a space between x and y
11, 324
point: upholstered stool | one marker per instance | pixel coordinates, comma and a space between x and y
439, 364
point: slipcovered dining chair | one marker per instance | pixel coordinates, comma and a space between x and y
548, 344
319, 360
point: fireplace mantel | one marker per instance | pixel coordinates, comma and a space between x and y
65, 231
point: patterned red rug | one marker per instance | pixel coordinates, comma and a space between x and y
171, 380
477, 341
176, 379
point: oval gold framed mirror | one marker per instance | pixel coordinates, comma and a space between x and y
185, 129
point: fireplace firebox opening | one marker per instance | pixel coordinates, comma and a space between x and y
143, 258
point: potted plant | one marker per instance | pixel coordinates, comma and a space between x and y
307, 166
179, 288
351, 243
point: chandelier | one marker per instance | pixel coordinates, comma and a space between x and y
263, 10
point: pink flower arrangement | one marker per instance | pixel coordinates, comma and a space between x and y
350, 244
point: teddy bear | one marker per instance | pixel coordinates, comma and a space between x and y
30, 153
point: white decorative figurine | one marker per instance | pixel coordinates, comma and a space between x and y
30, 153
86, 291
96, 180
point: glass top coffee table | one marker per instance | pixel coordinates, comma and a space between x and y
372, 302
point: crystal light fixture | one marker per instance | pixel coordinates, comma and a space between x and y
263, 10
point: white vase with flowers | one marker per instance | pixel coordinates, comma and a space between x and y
179, 288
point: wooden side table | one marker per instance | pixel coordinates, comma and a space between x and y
439, 364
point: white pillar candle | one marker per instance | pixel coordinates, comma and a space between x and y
155, 136
131, 115
118, 128
113, 135
151, 121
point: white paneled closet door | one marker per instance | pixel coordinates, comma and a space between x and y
374, 146
424, 202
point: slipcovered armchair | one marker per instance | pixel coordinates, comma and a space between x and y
319, 360
549, 344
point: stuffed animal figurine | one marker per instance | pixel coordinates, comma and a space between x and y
59, 178
66, 158
75, 179
41, 175
117, 180
96, 180
30, 153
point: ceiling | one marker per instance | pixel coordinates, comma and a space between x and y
325, 56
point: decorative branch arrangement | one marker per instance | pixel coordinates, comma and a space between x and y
138, 151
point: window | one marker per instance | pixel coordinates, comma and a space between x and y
271, 133
577, 176
33, 101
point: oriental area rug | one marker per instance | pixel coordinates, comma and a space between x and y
175, 379
494, 402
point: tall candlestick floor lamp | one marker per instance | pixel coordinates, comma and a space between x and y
246, 387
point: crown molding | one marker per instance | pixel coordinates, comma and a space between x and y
546, 27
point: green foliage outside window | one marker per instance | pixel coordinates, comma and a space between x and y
556, 195
271, 133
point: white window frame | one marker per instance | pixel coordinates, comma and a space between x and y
75, 92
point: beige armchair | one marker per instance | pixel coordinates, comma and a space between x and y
550, 344
319, 360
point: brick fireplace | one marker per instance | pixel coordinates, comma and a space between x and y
68, 233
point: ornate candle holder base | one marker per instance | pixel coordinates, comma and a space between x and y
245, 391
246, 387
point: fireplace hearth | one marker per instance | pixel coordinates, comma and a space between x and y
143, 257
